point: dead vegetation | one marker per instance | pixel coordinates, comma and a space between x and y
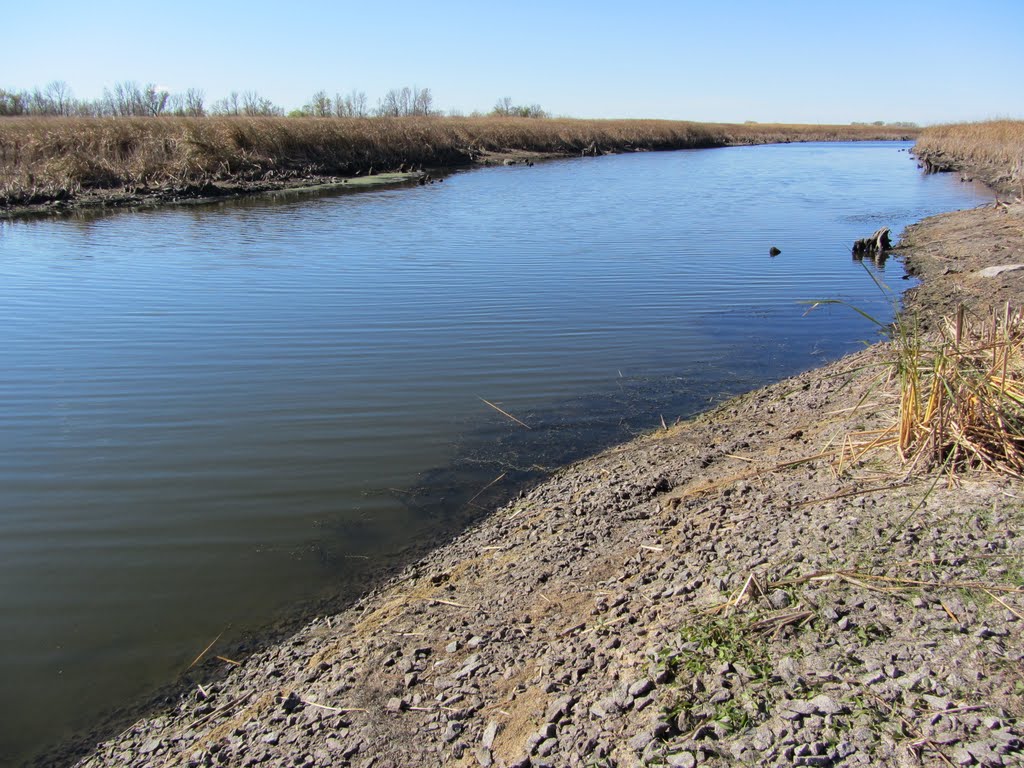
993, 149
43, 159
960, 396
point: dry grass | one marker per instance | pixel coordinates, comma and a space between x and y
961, 397
53, 158
994, 149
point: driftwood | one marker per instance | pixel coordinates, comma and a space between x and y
876, 245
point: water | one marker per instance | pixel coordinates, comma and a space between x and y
213, 416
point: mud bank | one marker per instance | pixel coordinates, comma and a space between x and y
712, 594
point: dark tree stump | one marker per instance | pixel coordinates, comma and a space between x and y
876, 245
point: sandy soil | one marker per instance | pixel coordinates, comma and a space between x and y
728, 591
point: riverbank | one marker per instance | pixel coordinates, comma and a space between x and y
62, 165
717, 592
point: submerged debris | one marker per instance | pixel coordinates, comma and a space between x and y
876, 245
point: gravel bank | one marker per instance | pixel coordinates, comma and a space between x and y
718, 593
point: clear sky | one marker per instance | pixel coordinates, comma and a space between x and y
771, 61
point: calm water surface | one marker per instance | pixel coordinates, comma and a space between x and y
213, 415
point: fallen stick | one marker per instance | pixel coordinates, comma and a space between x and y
504, 413
203, 653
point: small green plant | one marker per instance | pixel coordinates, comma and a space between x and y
869, 633
720, 640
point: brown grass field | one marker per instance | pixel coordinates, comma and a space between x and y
994, 148
44, 159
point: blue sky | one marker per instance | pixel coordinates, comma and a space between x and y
784, 61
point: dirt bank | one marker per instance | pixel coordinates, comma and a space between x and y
718, 593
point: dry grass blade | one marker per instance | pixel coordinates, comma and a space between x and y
773, 625
505, 413
205, 650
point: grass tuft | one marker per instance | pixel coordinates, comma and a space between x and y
960, 396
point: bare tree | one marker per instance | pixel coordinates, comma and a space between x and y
422, 101
255, 105
406, 101
503, 107
60, 97
193, 103
154, 100
320, 105
359, 104
38, 103
229, 105
123, 100
340, 105
353, 105
395, 103
176, 104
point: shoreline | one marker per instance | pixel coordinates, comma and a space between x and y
65, 166
101, 201
751, 576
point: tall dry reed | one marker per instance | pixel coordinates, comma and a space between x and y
46, 157
992, 149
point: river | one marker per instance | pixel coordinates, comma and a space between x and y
218, 416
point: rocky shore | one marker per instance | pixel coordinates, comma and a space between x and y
722, 592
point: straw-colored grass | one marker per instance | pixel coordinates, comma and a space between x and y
961, 397
47, 158
994, 149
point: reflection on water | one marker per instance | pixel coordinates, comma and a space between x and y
214, 414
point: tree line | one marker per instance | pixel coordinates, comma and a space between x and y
131, 99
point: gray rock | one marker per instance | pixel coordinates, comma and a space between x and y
826, 705
984, 754
396, 704
641, 688
797, 708
546, 747
962, 757
489, 733
682, 760
559, 708
472, 664
779, 599
641, 740
998, 270
547, 731
606, 707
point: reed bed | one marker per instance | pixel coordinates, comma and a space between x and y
993, 149
55, 158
